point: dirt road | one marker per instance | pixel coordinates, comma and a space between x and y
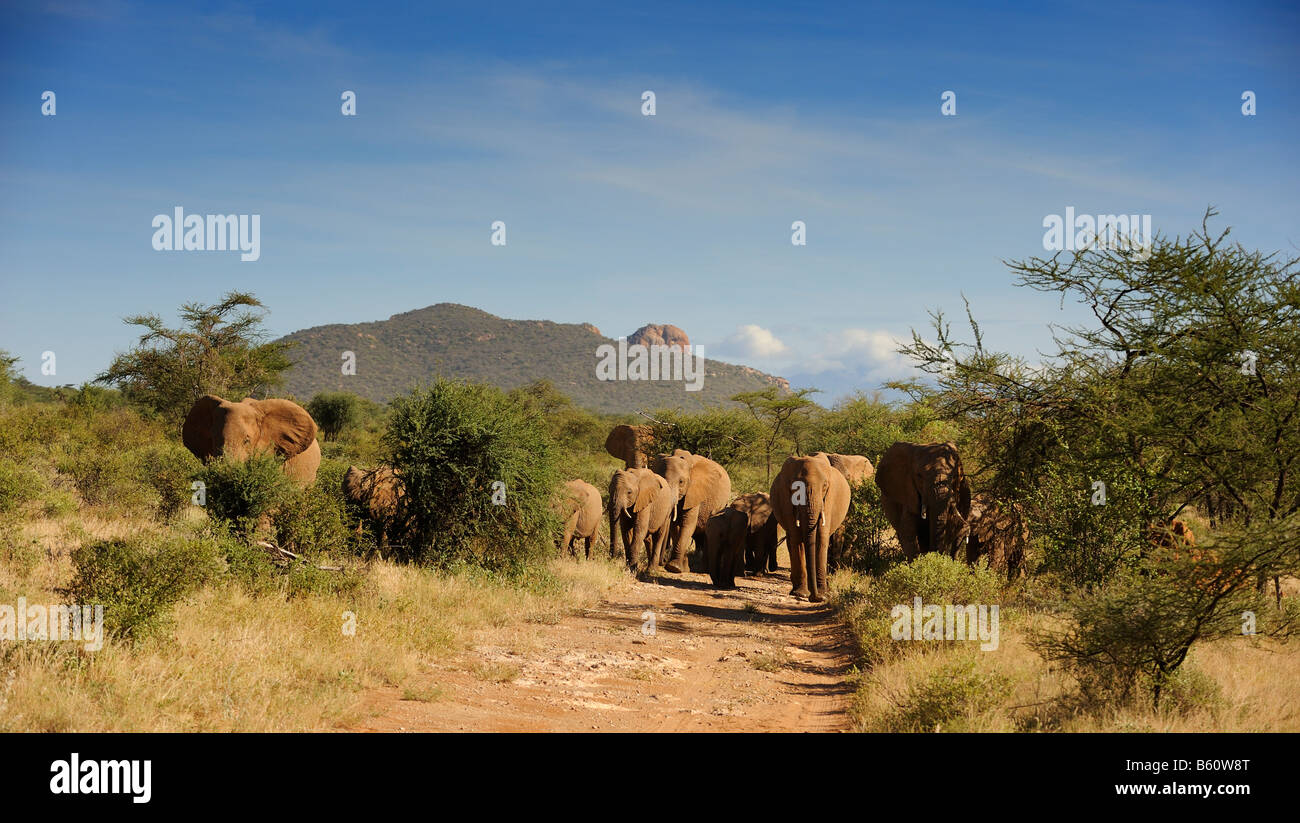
670, 654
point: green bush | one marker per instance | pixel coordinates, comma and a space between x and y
107, 477
947, 700
169, 469
18, 484
867, 533
334, 411
1083, 543
315, 520
137, 583
451, 443
241, 493
936, 578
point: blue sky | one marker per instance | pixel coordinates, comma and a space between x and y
531, 114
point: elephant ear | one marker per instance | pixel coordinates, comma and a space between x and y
646, 490
196, 432
287, 426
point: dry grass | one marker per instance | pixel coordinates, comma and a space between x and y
237, 662
1258, 683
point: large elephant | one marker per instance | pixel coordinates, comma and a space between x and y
216, 427
743, 532
856, 470
379, 492
631, 444
925, 495
998, 532
579, 505
703, 489
811, 499
640, 512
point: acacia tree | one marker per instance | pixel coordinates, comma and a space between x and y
1183, 390
220, 349
776, 411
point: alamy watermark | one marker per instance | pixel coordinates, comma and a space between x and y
656, 362
1115, 232
211, 232
948, 622
84, 624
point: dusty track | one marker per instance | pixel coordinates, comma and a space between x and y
752, 659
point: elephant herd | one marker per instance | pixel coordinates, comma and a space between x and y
659, 506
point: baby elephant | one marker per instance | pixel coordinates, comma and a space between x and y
579, 505
379, 492
641, 505
744, 531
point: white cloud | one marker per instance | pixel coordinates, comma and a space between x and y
753, 341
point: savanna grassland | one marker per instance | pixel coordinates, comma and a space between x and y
261, 605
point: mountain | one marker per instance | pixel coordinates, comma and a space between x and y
462, 342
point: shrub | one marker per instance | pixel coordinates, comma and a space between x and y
451, 443
1085, 544
314, 520
935, 578
18, 484
138, 584
107, 477
169, 469
241, 493
334, 412
867, 532
1126, 639
949, 697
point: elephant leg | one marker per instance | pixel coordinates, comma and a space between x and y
685, 537
588, 542
817, 560
570, 525
661, 540
794, 542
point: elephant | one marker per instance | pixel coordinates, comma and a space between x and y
810, 499
580, 506
640, 512
631, 444
998, 532
216, 427
379, 492
744, 531
857, 470
703, 489
925, 496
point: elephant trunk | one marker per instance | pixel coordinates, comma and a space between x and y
812, 527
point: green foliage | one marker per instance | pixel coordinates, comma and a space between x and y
169, 469
779, 414
241, 493
1126, 639
728, 436
1081, 542
18, 484
107, 478
451, 442
220, 350
947, 699
314, 520
936, 578
868, 426
867, 532
138, 583
334, 412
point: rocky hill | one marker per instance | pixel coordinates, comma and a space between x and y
462, 342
